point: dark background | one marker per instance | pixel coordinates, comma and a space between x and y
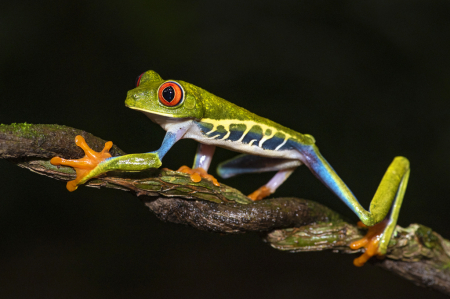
368, 79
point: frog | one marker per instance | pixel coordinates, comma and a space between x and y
186, 111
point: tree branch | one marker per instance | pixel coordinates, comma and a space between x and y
416, 253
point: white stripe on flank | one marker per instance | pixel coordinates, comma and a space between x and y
266, 138
251, 142
227, 134
247, 129
278, 147
214, 137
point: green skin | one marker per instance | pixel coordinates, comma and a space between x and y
210, 119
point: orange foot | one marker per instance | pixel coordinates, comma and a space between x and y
84, 165
370, 242
197, 174
259, 194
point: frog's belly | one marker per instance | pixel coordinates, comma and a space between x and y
253, 148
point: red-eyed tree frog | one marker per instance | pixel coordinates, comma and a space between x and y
187, 111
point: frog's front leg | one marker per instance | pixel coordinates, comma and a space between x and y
84, 165
94, 164
201, 165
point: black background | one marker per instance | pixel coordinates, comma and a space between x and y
368, 79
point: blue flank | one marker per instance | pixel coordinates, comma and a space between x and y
252, 136
204, 127
274, 142
235, 135
220, 133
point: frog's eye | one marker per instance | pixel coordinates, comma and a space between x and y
138, 79
170, 94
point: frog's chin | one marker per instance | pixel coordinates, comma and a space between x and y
166, 122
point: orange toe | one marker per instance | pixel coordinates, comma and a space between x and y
72, 185
197, 174
370, 242
84, 165
259, 194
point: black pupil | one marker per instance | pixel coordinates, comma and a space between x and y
168, 93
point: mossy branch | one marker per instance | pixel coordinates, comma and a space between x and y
416, 253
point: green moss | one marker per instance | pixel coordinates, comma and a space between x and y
208, 197
236, 196
427, 237
30, 130
173, 180
184, 190
150, 187
62, 169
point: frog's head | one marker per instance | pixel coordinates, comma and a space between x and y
169, 98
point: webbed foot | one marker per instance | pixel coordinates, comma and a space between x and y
261, 193
370, 242
84, 165
197, 174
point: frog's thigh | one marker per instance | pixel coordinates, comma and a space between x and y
246, 163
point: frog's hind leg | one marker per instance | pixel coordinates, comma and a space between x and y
272, 185
378, 236
204, 156
202, 162
384, 205
245, 163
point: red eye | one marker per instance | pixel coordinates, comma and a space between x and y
170, 94
138, 79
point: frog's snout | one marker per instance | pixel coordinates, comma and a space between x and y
130, 102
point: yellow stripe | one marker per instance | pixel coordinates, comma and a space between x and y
249, 124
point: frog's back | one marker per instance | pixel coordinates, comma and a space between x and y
228, 125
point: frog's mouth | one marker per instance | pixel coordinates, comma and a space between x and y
150, 114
